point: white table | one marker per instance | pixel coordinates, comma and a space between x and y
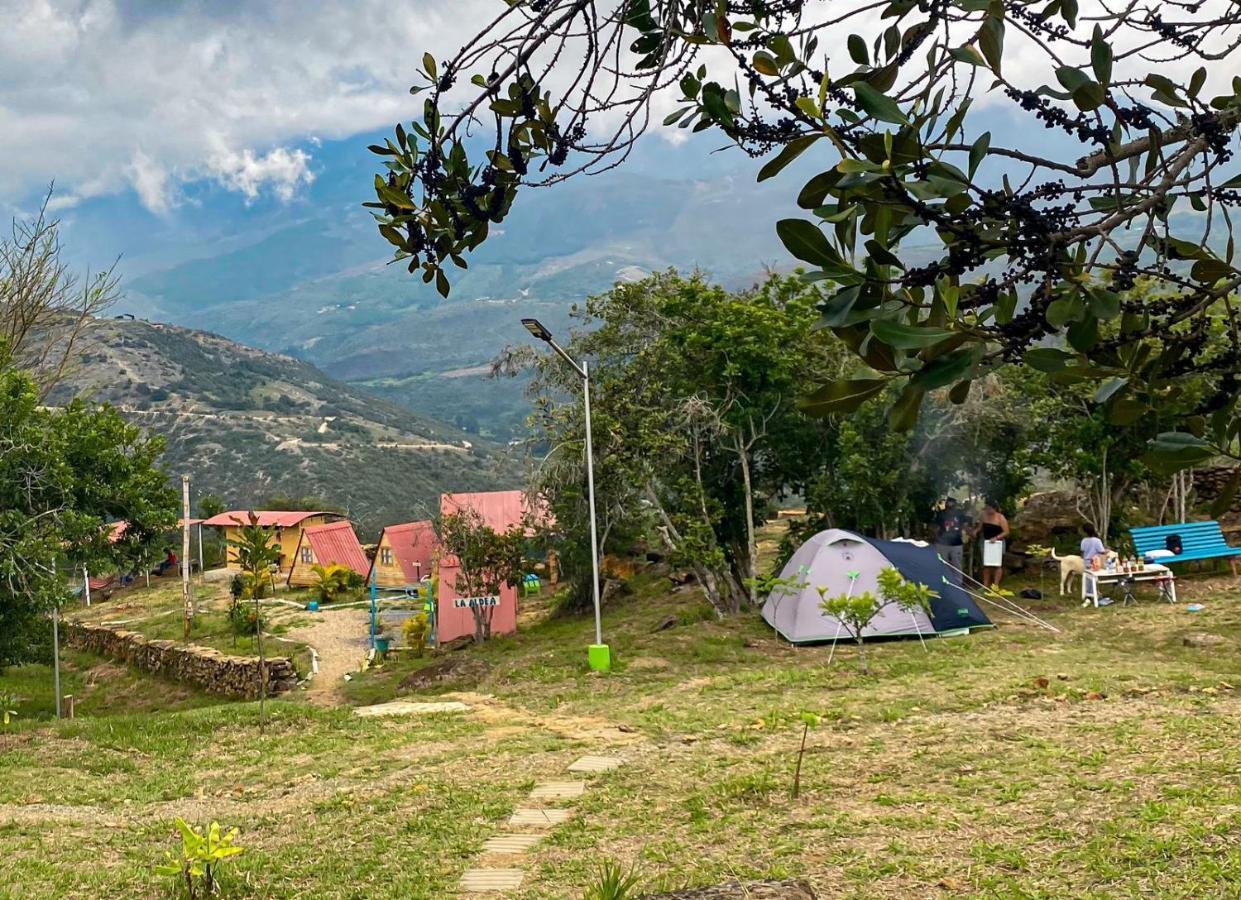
1153, 572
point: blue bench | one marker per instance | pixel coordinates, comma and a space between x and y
1199, 540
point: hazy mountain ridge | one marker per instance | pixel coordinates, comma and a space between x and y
246, 424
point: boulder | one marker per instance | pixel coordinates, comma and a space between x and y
736, 890
1202, 640
1044, 516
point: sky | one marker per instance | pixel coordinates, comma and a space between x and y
164, 112
149, 96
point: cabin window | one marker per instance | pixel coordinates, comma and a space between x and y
385, 556
308, 555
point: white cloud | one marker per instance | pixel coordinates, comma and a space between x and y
108, 95
282, 170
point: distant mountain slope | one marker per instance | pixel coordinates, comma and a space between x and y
246, 424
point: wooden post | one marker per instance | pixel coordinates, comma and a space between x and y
68, 706
185, 554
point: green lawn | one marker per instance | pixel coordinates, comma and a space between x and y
1098, 762
158, 613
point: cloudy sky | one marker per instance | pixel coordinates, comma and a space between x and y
108, 96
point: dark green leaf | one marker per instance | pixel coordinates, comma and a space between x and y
1101, 56
1047, 359
878, 105
857, 50
842, 396
1108, 389
787, 154
978, 152
806, 242
904, 412
908, 337
991, 42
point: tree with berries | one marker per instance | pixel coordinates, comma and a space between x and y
1115, 167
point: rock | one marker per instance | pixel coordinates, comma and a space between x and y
681, 577
1041, 682
736, 890
1201, 640
460, 670
1044, 516
665, 624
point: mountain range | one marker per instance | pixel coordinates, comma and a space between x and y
248, 425
310, 278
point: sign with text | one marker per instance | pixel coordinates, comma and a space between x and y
475, 602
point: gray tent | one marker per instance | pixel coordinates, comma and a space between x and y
842, 561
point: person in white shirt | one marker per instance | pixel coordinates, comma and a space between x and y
1092, 547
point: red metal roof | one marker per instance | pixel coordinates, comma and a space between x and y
413, 545
268, 518
500, 510
336, 543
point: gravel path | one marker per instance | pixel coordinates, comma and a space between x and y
339, 636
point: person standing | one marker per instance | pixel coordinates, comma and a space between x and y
1092, 547
993, 529
950, 524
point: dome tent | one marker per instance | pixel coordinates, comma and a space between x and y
842, 561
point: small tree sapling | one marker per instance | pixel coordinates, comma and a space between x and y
856, 611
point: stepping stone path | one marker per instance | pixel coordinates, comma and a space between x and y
408, 708
539, 819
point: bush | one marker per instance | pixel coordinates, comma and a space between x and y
416, 630
335, 582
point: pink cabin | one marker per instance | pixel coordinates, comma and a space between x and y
501, 510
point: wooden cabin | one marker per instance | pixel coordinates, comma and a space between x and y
332, 544
288, 525
404, 555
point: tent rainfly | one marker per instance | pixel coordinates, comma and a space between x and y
842, 562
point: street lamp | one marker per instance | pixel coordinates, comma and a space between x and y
599, 655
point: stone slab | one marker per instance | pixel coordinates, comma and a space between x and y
511, 843
557, 790
409, 708
539, 818
478, 881
596, 764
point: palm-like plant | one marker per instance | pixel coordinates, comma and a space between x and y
334, 581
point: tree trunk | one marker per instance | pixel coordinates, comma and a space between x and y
751, 543
861, 655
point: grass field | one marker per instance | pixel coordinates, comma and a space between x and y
1101, 761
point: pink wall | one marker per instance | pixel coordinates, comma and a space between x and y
454, 621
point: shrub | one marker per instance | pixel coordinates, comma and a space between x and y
416, 629
200, 859
614, 882
334, 582
8, 707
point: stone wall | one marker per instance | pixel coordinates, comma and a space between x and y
203, 667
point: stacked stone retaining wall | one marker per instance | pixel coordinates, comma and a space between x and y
203, 667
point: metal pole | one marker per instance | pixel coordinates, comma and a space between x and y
185, 553
590, 487
86, 585
56, 653
374, 610
200, 550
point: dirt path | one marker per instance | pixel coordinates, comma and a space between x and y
339, 636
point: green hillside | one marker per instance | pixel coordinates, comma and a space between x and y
246, 424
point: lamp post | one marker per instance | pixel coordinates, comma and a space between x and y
600, 655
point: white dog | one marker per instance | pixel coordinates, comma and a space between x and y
1069, 566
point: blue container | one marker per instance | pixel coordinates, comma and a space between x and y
313, 606
381, 644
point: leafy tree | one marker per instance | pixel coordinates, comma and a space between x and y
856, 611
486, 560
943, 251
695, 417
210, 505
258, 553
65, 473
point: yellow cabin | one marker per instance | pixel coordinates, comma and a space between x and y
404, 555
289, 526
